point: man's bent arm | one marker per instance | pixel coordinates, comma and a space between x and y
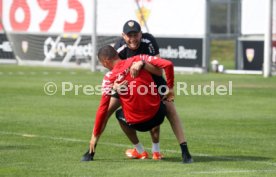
162, 63
153, 69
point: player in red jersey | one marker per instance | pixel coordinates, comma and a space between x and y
142, 107
135, 42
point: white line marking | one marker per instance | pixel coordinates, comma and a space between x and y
165, 150
20, 73
28, 135
232, 171
43, 73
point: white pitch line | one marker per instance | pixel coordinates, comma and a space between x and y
35, 73
29, 135
21, 73
231, 171
166, 150
41, 136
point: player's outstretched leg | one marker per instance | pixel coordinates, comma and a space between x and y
175, 122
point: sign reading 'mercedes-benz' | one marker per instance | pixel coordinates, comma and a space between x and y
183, 52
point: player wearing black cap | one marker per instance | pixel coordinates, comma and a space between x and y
134, 42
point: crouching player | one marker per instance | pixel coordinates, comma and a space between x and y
142, 107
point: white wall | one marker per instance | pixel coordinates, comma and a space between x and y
165, 17
253, 15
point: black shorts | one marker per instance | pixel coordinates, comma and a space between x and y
145, 126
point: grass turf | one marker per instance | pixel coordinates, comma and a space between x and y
45, 135
224, 52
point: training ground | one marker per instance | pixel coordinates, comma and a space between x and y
43, 135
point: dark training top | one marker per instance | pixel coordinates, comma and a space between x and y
147, 46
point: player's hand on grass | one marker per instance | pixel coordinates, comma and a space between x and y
89, 155
93, 143
135, 68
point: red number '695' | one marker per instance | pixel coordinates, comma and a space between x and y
47, 5
24, 24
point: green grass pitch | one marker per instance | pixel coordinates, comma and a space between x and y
45, 135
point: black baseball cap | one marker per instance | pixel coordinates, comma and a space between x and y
131, 26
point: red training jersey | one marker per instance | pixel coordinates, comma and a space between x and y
140, 99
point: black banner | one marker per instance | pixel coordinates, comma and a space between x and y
51, 47
253, 55
183, 52
61, 48
5, 48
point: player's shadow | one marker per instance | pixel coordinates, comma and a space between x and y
219, 158
230, 158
